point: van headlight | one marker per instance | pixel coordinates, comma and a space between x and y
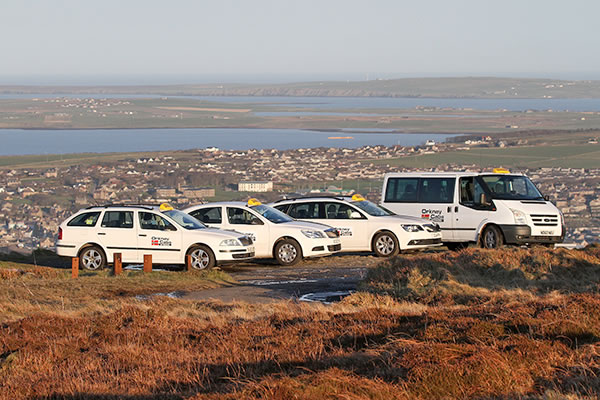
520, 217
313, 234
230, 242
412, 228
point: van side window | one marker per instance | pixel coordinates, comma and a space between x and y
401, 190
470, 192
436, 190
118, 219
88, 219
305, 211
211, 215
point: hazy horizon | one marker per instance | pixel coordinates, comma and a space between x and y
153, 42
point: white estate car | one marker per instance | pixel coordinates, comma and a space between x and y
275, 234
95, 234
365, 226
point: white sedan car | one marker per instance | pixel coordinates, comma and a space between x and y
95, 234
365, 226
275, 234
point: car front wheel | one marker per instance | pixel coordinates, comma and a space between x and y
201, 258
385, 244
288, 252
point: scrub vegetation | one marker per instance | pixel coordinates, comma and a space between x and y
512, 323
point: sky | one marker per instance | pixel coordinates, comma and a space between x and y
190, 41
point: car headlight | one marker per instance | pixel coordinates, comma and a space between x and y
230, 242
520, 217
412, 228
313, 234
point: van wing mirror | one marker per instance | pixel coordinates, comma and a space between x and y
546, 197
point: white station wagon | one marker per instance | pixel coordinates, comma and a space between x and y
275, 234
95, 234
365, 226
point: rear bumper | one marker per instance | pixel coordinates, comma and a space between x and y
521, 234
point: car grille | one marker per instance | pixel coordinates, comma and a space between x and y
432, 227
246, 240
242, 255
334, 247
544, 220
422, 242
332, 233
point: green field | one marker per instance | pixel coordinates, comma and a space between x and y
566, 156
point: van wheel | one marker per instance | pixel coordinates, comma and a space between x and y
202, 257
492, 238
385, 244
288, 252
92, 258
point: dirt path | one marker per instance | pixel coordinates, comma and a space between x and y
323, 279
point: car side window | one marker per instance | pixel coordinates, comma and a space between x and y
88, 219
338, 211
209, 215
305, 211
401, 190
154, 222
239, 216
118, 219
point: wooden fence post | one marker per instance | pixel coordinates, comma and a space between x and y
147, 262
117, 264
74, 267
188, 262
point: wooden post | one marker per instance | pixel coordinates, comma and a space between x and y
117, 264
147, 262
74, 267
188, 263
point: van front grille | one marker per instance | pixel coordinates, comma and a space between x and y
544, 220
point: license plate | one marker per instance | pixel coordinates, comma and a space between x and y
547, 233
250, 249
337, 241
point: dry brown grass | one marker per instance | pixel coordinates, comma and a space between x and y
542, 343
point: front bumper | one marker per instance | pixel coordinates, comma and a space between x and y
521, 234
323, 247
422, 240
235, 254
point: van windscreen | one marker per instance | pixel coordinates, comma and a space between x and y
511, 187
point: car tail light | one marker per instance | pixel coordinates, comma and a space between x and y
59, 233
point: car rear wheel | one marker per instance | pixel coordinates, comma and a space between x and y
288, 252
385, 244
492, 238
92, 258
201, 258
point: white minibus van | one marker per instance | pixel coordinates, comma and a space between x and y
490, 209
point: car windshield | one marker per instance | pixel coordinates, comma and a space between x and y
511, 187
185, 220
372, 208
273, 215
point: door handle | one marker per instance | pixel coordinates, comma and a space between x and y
142, 234
101, 234
449, 209
456, 209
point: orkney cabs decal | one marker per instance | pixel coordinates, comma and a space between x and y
345, 231
432, 215
161, 241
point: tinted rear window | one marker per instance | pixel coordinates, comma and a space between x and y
88, 219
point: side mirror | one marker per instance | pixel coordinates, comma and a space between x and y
546, 197
355, 215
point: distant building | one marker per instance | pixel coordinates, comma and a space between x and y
198, 193
166, 192
255, 186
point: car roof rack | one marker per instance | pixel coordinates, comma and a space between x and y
313, 196
146, 206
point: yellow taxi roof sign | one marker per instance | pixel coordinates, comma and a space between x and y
165, 207
253, 202
358, 197
501, 171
